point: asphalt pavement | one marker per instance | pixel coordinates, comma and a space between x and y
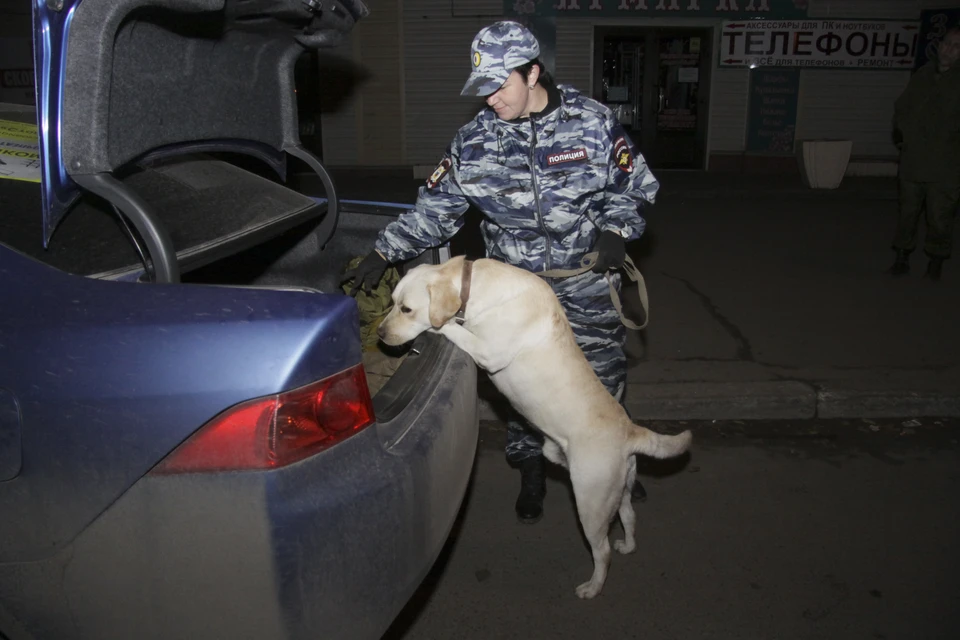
785, 529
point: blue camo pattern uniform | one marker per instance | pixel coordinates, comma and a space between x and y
547, 185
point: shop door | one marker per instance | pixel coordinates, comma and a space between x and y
657, 83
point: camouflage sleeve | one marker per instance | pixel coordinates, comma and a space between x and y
901, 106
906, 114
436, 217
629, 185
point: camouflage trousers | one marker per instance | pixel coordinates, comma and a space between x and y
941, 199
601, 335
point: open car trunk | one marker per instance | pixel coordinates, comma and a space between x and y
147, 111
230, 227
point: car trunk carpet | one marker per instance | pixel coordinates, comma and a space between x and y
202, 202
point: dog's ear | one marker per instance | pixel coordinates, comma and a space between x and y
444, 302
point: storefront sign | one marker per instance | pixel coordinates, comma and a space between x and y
934, 24
733, 9
819, 44
772, 120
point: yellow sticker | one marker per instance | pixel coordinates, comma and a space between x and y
476, 58
18, 130
19, 151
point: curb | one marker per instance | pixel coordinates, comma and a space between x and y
764, 400
721, 400
712, 194
700, 401
861, 403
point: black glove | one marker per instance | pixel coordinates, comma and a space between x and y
611, 250
367, 274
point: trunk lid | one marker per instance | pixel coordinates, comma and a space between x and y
124, 83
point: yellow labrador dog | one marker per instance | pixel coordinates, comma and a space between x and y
511, 323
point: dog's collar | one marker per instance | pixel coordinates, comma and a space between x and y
465, 277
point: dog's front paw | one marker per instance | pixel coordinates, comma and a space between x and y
588, 590
625, 546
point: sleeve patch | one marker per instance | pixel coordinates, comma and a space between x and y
442, 169
623, 155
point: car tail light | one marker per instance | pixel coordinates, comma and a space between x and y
277, 430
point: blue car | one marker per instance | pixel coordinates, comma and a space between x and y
189, 444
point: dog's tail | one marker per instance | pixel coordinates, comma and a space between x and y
657, 445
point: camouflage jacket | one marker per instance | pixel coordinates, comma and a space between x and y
547, 186
927, 114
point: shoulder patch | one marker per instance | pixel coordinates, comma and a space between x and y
623, 155
442, 169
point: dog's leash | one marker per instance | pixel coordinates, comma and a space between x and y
586, 264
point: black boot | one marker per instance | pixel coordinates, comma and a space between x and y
934, 267
901, 264
532, 489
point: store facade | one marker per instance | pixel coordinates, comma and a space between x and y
719, 85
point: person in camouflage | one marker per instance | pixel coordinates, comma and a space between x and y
927, 116
556, 177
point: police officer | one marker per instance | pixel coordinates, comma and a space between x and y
555, 177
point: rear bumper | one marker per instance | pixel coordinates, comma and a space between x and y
330, 547
348, 560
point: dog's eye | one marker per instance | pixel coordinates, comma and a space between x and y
404, 309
